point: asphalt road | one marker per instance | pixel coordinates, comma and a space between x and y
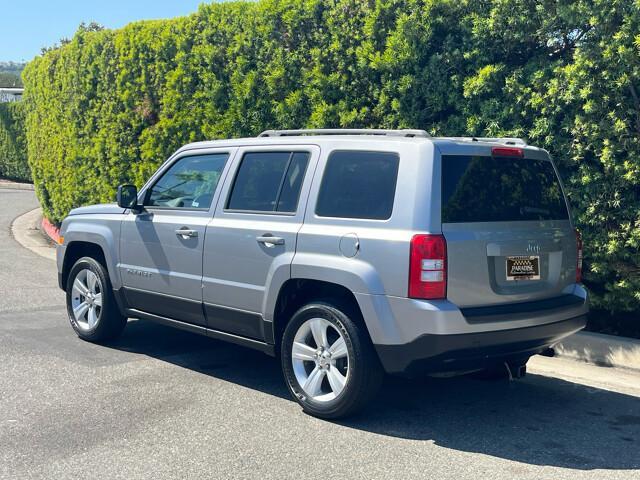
161, 403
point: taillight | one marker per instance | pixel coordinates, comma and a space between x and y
507, 152
578, 257
428, 267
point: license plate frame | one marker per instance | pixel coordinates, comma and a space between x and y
522, 267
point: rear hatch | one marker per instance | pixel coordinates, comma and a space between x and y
505, 219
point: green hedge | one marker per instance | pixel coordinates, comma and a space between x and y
109, 106
13, 148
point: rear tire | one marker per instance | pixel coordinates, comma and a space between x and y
336, 375
91, 305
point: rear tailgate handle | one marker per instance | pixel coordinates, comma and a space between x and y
185, 232
269, 240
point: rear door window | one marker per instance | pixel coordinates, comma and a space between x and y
269, 182
500, 189
358, 184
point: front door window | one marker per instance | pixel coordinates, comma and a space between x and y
189, 183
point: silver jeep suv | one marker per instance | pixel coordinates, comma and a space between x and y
347, 253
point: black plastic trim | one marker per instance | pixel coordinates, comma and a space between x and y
235, 321
121, 301
511, 311
182, 309
269, 334
473, 351
226, 321
227, 337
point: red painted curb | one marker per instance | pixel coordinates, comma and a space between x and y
51, 230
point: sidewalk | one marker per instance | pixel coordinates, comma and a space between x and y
25, 229
603, 350
11, 185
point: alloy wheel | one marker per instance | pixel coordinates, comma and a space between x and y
320, 359
86, 299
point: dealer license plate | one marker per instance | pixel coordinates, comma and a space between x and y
523, 268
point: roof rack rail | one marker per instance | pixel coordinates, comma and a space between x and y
345, 131
504, 140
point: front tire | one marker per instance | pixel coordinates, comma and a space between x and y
328, 361
91, 305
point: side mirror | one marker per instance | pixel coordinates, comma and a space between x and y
128, 197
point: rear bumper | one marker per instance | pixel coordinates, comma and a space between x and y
418, 336
449, 353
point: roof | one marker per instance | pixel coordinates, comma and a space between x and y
321, 136
302, 140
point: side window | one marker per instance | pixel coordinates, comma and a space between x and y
269, 182
292, 183
189, 183
358, 184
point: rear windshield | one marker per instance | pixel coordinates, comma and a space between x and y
495, 189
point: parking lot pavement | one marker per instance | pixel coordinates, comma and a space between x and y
161, 403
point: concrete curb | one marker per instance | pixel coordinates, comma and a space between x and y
600, 349
50, 230
25, 231
15, 185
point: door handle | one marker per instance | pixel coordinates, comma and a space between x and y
269, 240
185, 233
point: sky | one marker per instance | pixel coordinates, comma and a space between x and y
27, 26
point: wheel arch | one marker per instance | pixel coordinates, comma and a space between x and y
98, 236
75, 250
296, 292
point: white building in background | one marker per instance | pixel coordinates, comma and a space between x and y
10, 94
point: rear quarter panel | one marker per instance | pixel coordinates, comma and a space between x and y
381, 263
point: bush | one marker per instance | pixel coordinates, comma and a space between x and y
13, 149
109, 106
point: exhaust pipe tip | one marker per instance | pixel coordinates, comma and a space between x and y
549, 352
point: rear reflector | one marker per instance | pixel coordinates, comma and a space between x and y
507, 152
428, 267
578, 257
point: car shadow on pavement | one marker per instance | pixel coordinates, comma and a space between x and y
240, 365
537, 420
